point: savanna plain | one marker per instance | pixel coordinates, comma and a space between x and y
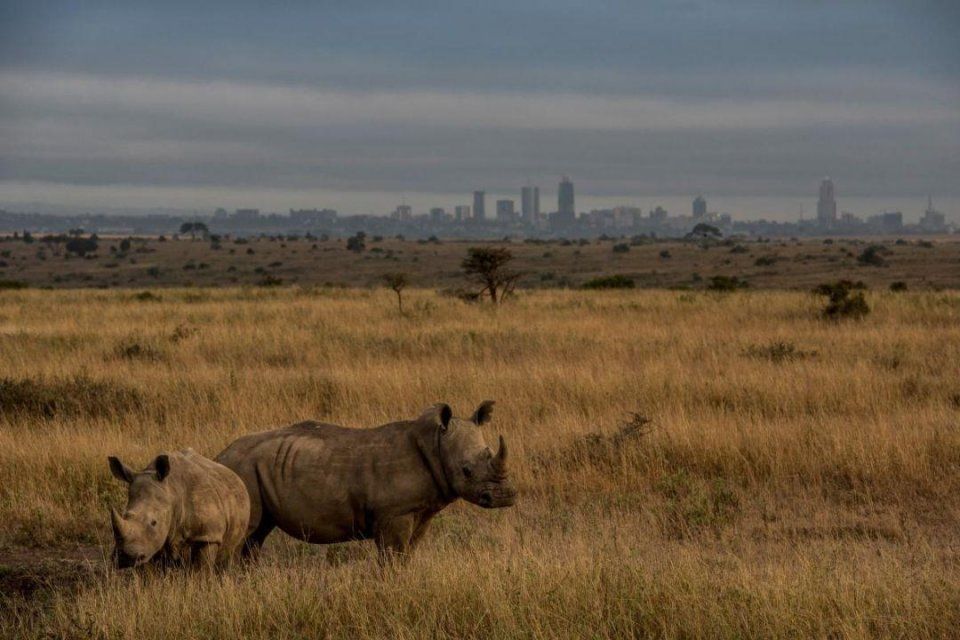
691, 464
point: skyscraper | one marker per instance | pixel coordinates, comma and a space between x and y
826, 204
699, 207
479, 211
566, 211
462, 212
530, 204
505, 211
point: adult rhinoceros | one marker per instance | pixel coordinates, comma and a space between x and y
323, 483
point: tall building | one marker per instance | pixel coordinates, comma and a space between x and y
826, 204
461, 212
933, 220
479, 210
505, 211
699, 207
403, 212
530, 205
566, 210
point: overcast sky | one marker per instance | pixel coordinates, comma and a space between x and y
355, 103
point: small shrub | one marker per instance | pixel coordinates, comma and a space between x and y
872, 256
623, 247
842, 301
665, 254
12, 284
356, 242
146, 296
899, 285
726, 283
765, 261
270, 281
610, 282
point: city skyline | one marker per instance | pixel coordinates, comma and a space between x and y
774, 208
146, 104
529, 221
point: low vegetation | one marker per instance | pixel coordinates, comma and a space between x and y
845, 299
610, 282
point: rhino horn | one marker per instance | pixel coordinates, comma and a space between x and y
119, 526
501, 459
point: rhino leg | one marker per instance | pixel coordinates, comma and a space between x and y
420, 529
251, 546
204, 555
393, 536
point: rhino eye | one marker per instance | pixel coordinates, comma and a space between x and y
466, 472
153, 523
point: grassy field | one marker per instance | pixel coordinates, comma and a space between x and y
922, 264
691, 464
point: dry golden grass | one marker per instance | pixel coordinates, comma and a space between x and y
776, 492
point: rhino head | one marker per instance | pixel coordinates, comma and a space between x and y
475, 473
142, 529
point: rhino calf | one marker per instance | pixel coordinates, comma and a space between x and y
323, 483
183, 509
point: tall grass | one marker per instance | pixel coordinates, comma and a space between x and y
815, 495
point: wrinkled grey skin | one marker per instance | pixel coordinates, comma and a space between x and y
183, 509
323, 483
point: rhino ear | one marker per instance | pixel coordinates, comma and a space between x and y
162, 465
440, 413
119, 470
483, 412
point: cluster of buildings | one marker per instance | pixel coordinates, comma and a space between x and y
504, 218
886, 223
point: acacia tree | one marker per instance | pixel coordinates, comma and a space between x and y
488, 267
398, 282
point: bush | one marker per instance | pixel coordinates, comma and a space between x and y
623, 247
872, 256
765, 261
842, 301
81, 246
899, 285
838, 287
270, 281
610, 282
12, 284
727, 283
356, 242
665, 254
